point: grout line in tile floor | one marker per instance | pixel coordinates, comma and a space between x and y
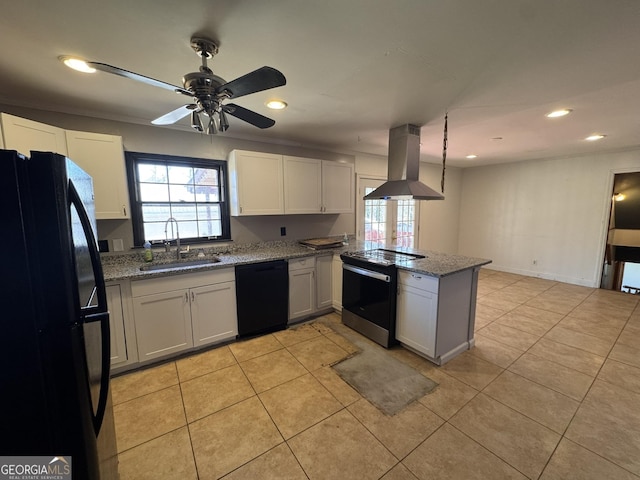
494, 455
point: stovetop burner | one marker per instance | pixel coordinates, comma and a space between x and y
383, 256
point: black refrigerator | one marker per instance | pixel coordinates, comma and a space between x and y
55, 344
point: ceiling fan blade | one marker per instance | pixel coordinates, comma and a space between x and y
261, 79
175, 115
103, 67
248, 116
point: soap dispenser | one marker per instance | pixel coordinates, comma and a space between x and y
345, 239
148, 253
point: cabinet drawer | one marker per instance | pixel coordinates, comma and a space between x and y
302, 263
418, 280
179, 282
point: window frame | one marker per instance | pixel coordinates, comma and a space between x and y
132, 160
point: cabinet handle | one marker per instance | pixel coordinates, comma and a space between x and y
240, 209
124, 210
417, 277
186, 297
193, 297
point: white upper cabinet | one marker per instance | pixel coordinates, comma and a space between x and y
302, 185
337, 187
268, 184
26, 135
256, 183
102, 157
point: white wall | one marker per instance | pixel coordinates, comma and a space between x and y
551, 212
440, 219
150, 139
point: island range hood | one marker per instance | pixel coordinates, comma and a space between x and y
404, 168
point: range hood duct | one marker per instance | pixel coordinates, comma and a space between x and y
404, 168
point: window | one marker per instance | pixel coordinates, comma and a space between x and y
190, 190
406, 224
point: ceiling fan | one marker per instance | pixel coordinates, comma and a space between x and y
209, 91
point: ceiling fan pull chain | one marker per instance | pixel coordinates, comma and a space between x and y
444, 150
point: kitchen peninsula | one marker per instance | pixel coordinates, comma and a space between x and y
431, 322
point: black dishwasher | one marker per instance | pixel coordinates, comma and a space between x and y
262, 296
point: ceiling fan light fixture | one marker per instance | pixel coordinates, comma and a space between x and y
276, 104
77, 64
212, 128
224, 122
471, 156
559, 113
196, 123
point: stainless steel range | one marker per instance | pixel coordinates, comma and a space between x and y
369, 290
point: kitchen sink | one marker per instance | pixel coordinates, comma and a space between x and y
180, 264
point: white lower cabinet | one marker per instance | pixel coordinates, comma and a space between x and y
435, 315
324, 282
302, 295
417, 312
176, 313
116, 325
336, 283
310, 286
163, 324
213, 313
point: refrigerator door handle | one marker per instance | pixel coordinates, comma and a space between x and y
94, 253
102, 313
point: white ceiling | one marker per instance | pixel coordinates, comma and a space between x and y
354, 68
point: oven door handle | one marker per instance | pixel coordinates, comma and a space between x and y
367, 273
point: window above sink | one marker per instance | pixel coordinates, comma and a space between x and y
191, 190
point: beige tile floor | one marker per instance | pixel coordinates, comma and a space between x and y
551, 391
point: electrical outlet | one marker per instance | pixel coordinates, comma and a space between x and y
283, 231
118, 245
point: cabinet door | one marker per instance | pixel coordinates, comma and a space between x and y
25, 135
302, 185
301, 293
213, 313
163, 324
256, 182
102, 157
336, 284
337, 187
417, 312
116, 325
324, 292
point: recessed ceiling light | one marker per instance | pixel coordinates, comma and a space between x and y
593, 138
276, 104
77, 64
559, 113
472, 156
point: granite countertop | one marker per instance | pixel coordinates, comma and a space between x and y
127, 266
436, 264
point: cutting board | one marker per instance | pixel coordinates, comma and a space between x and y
320, 243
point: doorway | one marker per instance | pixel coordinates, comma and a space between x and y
385, 223
621, 269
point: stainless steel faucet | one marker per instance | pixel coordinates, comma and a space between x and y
167, 243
